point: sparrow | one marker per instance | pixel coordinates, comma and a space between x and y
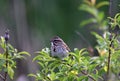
59, 48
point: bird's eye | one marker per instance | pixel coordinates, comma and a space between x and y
55, 41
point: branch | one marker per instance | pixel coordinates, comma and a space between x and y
88, 75
109, 54
2, 77
6, 53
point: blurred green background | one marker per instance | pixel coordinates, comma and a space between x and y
32, 23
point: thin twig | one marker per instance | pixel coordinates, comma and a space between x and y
88, 75
109, 55
83, 38
2, 77
110, 7
110, 39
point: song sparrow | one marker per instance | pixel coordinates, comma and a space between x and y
59, 48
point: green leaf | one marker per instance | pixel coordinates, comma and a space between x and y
92, 68
96, 77
86, 78
117, 15
2, 42
10, 72
75, 56
118, 19
105, 68
82, 51
23, 53
100, 17
91, 10
88, 21
1, 56
53, 64
103, 3
10, 47
33, 75
81, 78
44, 54
36, 58
52, 75
11, 62
41, 64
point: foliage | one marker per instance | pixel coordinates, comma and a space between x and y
78, 66
108, 44
115, 21
98, 17
109, 47
8, 58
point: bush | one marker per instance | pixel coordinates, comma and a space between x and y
8, 57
